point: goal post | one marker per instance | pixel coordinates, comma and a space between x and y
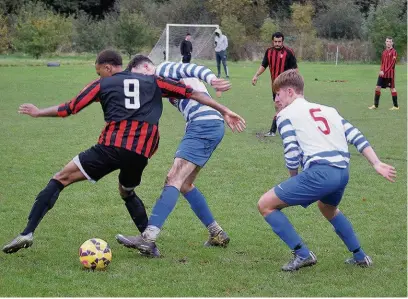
167, 47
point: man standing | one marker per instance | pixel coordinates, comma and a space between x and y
315, 137
186, 48
221, 45
279, 59
386, 78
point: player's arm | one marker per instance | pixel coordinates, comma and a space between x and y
88, 95
291, 148
355, 137
292, 61
261, 69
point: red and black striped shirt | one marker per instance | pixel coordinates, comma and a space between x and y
388, 60
132, 106
279, 61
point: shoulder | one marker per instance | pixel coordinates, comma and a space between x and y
290, 51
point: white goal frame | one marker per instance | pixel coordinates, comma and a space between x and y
185, 25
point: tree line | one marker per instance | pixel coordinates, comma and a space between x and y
46, 26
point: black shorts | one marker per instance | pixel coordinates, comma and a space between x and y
386, 82
100, 160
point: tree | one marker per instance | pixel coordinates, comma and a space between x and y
4, 34
132, 34
268, 28
38, 30
341, 19
236, 40
389, 19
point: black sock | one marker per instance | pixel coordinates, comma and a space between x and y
377, 98
394, 99
274, 127
43, 203
137, 211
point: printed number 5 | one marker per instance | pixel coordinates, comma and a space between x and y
133, 100
313, 113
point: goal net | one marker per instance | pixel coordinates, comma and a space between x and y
168, 46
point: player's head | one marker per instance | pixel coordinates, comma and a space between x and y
277, 40
217, 32
288, 86
108, 62
188, 36
389, 42
141, 64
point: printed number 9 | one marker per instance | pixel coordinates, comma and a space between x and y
133, 100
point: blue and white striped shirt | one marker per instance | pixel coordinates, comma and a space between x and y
190, 73
316, 134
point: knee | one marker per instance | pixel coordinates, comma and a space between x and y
173, 180
63, 177
125, 192
377, 88
264, 206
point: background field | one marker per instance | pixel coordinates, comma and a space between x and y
240, 171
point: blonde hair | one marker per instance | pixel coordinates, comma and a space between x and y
290, 78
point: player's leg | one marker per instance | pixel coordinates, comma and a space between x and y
130, 176
342, 226
377, 94
224, 62
270, 206
272, 131
218, 60
394, 95
44, 202
198, 203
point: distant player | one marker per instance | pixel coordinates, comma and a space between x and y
132, 106
386, 77
314, 137
204, 131
186, 48
279, 59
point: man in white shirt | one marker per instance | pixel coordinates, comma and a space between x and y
314, 137
221, 45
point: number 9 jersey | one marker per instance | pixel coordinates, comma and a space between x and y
132, 106
316, 134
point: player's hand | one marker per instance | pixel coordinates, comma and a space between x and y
381, 73
254, 80
387, 171
29, 109
234, 121
220, 85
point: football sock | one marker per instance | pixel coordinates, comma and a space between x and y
377, 98
214, 228
344, 230
199, 206
284, 229
137, 211
394, 99
226, 70
164, 205
43, 203
274, 127
151, 233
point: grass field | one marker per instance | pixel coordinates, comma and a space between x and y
240, 171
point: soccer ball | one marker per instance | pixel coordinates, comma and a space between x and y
95, 254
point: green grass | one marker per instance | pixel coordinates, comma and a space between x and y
240, 171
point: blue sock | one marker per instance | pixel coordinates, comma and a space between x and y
199, 206
164, 205
344, 230
284, 229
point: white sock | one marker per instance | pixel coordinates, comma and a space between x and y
214, 228
151, 233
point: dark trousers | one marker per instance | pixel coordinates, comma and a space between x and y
274, 127
186, 58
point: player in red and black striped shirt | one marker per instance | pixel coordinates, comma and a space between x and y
132, 106
386, 77
279, 59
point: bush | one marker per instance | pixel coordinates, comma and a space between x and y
235, 32
268, 28
39, 31
4, 34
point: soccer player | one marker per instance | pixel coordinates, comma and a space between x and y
186, 48
132, 105
314, 137
204, 131
386, 77
279, 59
221, 45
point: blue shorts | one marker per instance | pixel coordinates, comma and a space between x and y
319, 182
200, 141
